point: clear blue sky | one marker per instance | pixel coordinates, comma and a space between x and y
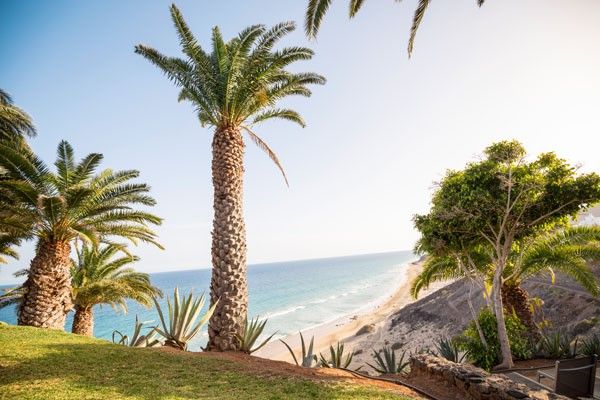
379, 133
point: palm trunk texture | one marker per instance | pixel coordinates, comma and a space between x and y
228, 284
83, 321
516, 299
47, 298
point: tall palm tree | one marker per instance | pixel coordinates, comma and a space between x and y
317, 9
98, 277
568, 251
233, 88
61, 207
14, 122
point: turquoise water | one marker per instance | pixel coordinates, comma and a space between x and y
293, 295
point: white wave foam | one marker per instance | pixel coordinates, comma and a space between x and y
283, 312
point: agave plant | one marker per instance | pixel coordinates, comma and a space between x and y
387, 364
337, 359
137, 339
558, 345
182, 326
448, 349
591, 345
252, 331
308, 357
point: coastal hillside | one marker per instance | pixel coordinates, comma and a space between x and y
445, 313
47, 364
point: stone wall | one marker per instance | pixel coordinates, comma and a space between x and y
476, 383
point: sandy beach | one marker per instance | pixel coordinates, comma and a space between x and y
345, 328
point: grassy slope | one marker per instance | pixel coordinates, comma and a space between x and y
39, 364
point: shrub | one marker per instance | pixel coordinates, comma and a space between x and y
484, 357
557, 345
252, 331
450, 350
182, 326
337, 359
591, 345
307, 358
387, 364
137, 339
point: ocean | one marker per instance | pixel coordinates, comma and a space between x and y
293, 295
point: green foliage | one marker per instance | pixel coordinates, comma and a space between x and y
388, 363
51, 365
484, 357
241, 81
590, 345
99, 277
496, 206
252, 331
12, 296
183, 322
450, 350
308, 358
557, 344
14, 122
137, 339
317, 9
567, 250
76, 201
337, 359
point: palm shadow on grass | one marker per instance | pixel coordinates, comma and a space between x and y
74, 367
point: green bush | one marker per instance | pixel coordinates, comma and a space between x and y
484, 357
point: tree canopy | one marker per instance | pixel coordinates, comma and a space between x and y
497, 202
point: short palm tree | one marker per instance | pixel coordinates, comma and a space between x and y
233, 88
60, 207
317, 9
99, 277
567, 251
14, 122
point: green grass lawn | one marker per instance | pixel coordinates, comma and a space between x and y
41, 364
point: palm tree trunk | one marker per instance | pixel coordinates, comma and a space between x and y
516, 299
83, 321
47, 297
228, 283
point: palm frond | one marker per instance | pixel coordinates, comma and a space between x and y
418, 17
264, 147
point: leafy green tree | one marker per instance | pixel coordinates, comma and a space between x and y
57, 208
317, 9
499, 201
235, 87
100, 277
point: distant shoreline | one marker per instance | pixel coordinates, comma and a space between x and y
345, 328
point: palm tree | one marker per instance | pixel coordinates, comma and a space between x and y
317, 9
568, 251
98, 277
15, 125
61, 207
14, 122
233, 88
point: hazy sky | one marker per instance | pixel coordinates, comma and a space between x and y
381, 131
